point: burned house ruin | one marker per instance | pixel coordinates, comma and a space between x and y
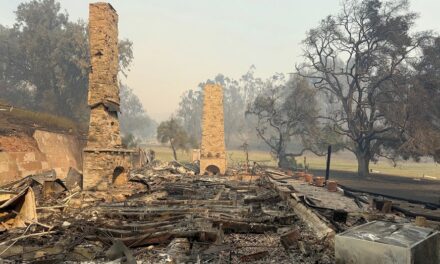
212, 152
105, 161
134, 208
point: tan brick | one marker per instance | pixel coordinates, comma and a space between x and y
4, 165
103, 81
101, 158
31, 166
8, 176
212, 152
29, 156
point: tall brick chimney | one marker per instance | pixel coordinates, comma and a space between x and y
212, 150
103, 97
105, 162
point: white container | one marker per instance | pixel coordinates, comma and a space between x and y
381, 242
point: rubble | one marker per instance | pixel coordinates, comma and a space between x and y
19, 210
167, 213
161, 215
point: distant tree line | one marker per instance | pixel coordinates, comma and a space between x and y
367, 84
44, 66
237, 94
278, 114
134, 120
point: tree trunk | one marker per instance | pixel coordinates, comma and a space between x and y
363, 164
283, 162
174, 151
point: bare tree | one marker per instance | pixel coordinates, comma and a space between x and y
284, 111
353, 58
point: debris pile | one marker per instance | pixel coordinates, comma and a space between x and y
167, 213
164, 214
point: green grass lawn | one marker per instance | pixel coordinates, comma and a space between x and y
347, 162
340, 161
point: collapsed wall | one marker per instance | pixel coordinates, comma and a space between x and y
105, 161
22, 155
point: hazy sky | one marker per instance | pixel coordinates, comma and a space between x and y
179, 43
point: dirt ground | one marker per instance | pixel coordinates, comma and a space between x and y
14, 120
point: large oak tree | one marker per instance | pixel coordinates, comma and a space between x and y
355, 58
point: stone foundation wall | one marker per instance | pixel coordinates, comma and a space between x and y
101, 166
62, 151
16, 165
46, 151
212, 151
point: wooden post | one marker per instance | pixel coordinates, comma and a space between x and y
327, 169
305, 164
